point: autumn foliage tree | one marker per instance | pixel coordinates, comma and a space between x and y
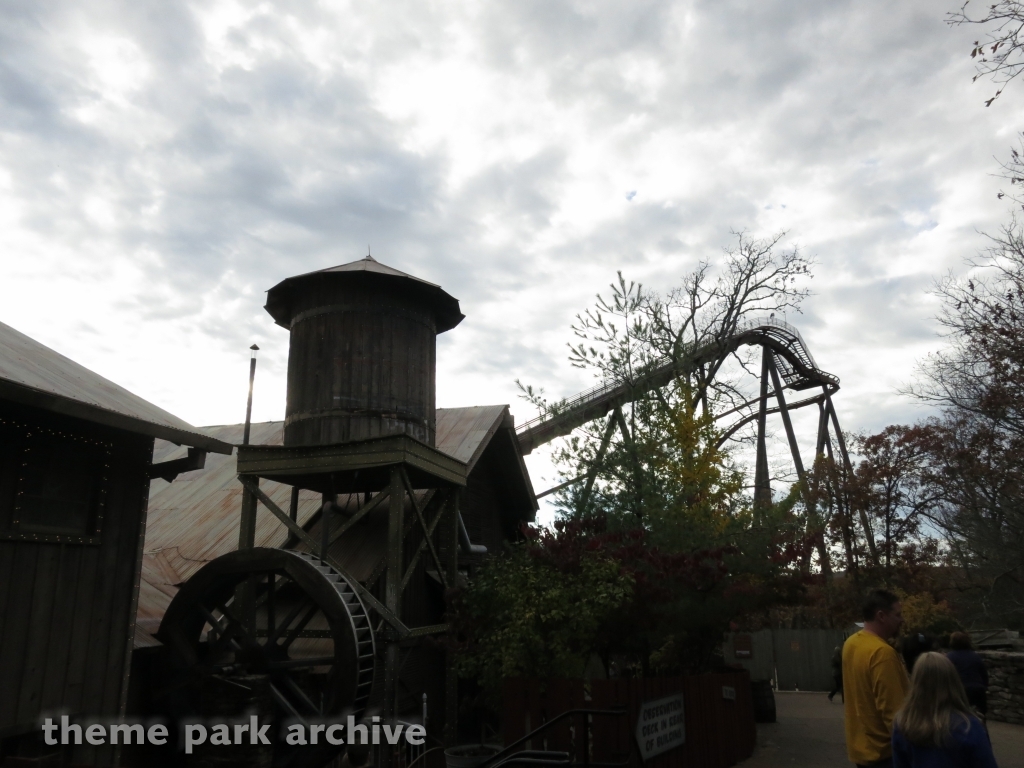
657, 496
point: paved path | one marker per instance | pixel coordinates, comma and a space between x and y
809, 734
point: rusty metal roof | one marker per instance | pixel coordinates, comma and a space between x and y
194, 519
33, 374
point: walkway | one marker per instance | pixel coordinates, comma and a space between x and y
809, 734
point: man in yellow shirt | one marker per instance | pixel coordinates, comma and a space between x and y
875, 682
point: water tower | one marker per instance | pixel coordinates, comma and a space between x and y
359, 425
361, 358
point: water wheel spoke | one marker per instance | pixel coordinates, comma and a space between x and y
294, 633
318, 661
223, 631
284, 625
236, 629
300, 694
271, 577
285, 704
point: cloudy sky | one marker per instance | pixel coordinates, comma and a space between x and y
162, 164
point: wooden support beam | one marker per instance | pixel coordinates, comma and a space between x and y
247, 523
306, 539
393, 597
245, 593
432, 629
362, 512
426, 534
423, 545
451, 682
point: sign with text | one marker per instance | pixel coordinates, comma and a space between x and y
661, 726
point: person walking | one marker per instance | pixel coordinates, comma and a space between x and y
935, 728
875, 682
971, 669
837, 673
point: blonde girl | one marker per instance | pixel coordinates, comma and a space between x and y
936, 727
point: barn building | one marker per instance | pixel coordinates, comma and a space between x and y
76, 461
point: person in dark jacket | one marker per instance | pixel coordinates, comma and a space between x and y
971, 668
837, 672
913, 646
935, 727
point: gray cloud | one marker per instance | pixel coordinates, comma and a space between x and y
215, 156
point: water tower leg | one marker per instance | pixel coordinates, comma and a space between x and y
393, 597
245, 593
451, 682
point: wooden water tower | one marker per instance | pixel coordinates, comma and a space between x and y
361, 357
359, 429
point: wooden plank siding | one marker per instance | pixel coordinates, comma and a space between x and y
66, 609
361, 362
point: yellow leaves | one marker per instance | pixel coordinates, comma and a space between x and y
922, 613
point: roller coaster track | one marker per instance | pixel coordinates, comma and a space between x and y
790, 355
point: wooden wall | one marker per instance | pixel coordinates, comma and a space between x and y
67, 610
361, 362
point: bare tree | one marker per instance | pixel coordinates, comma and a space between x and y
976, 447
624, 334
1001, 56
632, 330
982, 369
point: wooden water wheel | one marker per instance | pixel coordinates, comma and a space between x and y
307, 635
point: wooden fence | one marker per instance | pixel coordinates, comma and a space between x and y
720, 730
795, 659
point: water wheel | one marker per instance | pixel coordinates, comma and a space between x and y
308, 639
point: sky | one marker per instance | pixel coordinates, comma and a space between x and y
162, 164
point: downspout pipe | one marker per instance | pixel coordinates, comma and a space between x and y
465, 545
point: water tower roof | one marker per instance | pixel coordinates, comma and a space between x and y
446, 307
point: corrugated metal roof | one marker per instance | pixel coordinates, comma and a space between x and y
463, 433
33, 374
195, 519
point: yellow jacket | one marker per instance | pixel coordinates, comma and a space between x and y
875, 683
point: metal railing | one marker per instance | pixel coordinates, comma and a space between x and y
508, 756
779, 330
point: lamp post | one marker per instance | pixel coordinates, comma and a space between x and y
248, 405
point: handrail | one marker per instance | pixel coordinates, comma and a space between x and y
508, 751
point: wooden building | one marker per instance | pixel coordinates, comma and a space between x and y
194, 520
337, 605
76, 460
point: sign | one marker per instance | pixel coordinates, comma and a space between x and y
743, 646
728, 693
661, 726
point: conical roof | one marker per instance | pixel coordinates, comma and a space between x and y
367, 269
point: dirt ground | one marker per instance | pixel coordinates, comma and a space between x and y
809, 734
